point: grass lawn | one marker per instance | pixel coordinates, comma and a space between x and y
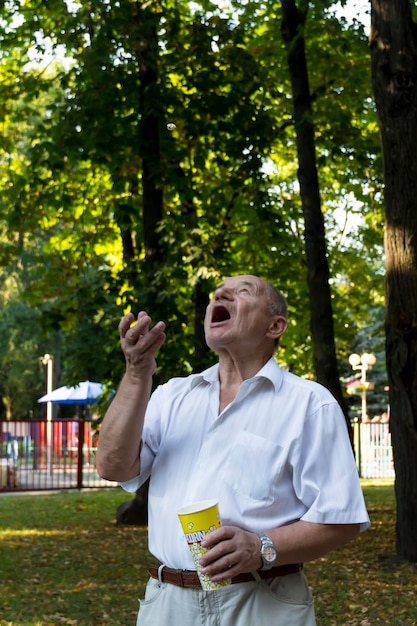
63, 561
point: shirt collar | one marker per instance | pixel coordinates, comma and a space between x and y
211, 375
270, 371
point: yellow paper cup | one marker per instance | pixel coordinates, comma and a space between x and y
197, 520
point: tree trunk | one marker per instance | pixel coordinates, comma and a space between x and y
147, 55
322, 329
145, 43
143, 35
394, 75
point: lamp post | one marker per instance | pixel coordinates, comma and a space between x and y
48, 361
363, 363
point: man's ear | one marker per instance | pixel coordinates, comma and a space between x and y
277, 327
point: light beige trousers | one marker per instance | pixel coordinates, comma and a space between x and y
282, 601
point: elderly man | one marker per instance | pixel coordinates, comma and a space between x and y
272, 448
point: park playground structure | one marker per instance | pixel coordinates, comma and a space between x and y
38, 455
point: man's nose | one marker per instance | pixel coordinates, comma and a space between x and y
222, 293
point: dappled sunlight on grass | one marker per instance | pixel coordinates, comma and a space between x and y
361, 584
77, 568
29, 532
64, 561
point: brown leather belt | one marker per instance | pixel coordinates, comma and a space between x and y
189, 578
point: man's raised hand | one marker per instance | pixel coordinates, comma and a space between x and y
140, 343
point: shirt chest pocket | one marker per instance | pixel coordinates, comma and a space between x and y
252, 466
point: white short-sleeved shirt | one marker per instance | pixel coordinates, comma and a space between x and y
278, 453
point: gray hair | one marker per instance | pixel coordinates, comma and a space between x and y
276, 301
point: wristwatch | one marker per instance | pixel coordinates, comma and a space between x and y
268, 552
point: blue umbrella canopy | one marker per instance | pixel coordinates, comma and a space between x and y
85, 392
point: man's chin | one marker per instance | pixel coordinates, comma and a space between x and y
218, 343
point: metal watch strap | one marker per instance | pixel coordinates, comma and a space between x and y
267, 545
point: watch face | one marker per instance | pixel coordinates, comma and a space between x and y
269, 554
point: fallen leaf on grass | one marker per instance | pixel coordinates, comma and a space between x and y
61, 619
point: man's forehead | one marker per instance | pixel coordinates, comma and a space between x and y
244, 279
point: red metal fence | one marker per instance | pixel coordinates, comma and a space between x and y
41, 455
60, 454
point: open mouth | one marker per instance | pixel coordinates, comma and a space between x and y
220, 314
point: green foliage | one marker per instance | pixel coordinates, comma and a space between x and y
20, 369
72, 227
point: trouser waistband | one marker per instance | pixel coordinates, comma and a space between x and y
189, 578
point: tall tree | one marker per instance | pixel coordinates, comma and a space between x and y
318, 275
394, 72
75, 190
